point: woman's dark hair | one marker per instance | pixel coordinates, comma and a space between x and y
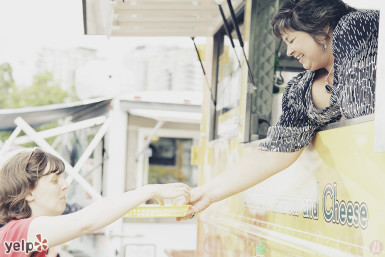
19, 176
311, 16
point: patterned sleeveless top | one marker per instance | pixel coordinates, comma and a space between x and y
354, 46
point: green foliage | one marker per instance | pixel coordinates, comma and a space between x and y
43, 91
7, 86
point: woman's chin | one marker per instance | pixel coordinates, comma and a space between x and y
62, 209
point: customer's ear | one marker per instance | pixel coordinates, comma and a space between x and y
29, 197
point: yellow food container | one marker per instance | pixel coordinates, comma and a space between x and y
158, 211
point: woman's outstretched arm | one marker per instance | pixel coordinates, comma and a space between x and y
252, 168
60, 229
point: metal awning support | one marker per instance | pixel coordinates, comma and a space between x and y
9, 141
39, 137
62, 129
43, 144
91, 147
148, 141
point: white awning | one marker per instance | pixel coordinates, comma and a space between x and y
36, 116
153, 18
174, 111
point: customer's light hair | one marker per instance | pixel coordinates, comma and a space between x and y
19, 176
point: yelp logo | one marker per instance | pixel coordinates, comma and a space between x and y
23, 246
41, 245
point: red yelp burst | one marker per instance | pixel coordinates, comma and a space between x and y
41, 244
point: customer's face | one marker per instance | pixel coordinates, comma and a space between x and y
303, 47
48, 198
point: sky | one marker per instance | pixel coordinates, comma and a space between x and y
29, 24
26, 26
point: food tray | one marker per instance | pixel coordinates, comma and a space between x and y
158, 211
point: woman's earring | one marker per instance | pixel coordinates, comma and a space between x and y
324, 47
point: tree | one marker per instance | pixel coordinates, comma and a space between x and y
7, 86
43, 91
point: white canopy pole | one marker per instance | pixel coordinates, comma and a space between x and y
9, 141
63, 129
43, 144
148, 141
91, 147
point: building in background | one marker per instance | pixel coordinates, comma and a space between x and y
63, 63
165, 68
146, 68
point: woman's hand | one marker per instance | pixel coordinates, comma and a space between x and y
168, 191
199, 201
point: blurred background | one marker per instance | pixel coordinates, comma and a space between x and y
43, 46
47, 60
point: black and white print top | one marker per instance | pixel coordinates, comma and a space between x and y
354, 46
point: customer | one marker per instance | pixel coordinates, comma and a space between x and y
33, 195
337, 45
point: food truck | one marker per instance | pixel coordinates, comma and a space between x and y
330, 202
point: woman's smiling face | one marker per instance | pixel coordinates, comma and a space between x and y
302, 46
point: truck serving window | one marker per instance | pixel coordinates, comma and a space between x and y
227, 60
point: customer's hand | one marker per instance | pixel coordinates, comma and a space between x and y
169, 191
199, 201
